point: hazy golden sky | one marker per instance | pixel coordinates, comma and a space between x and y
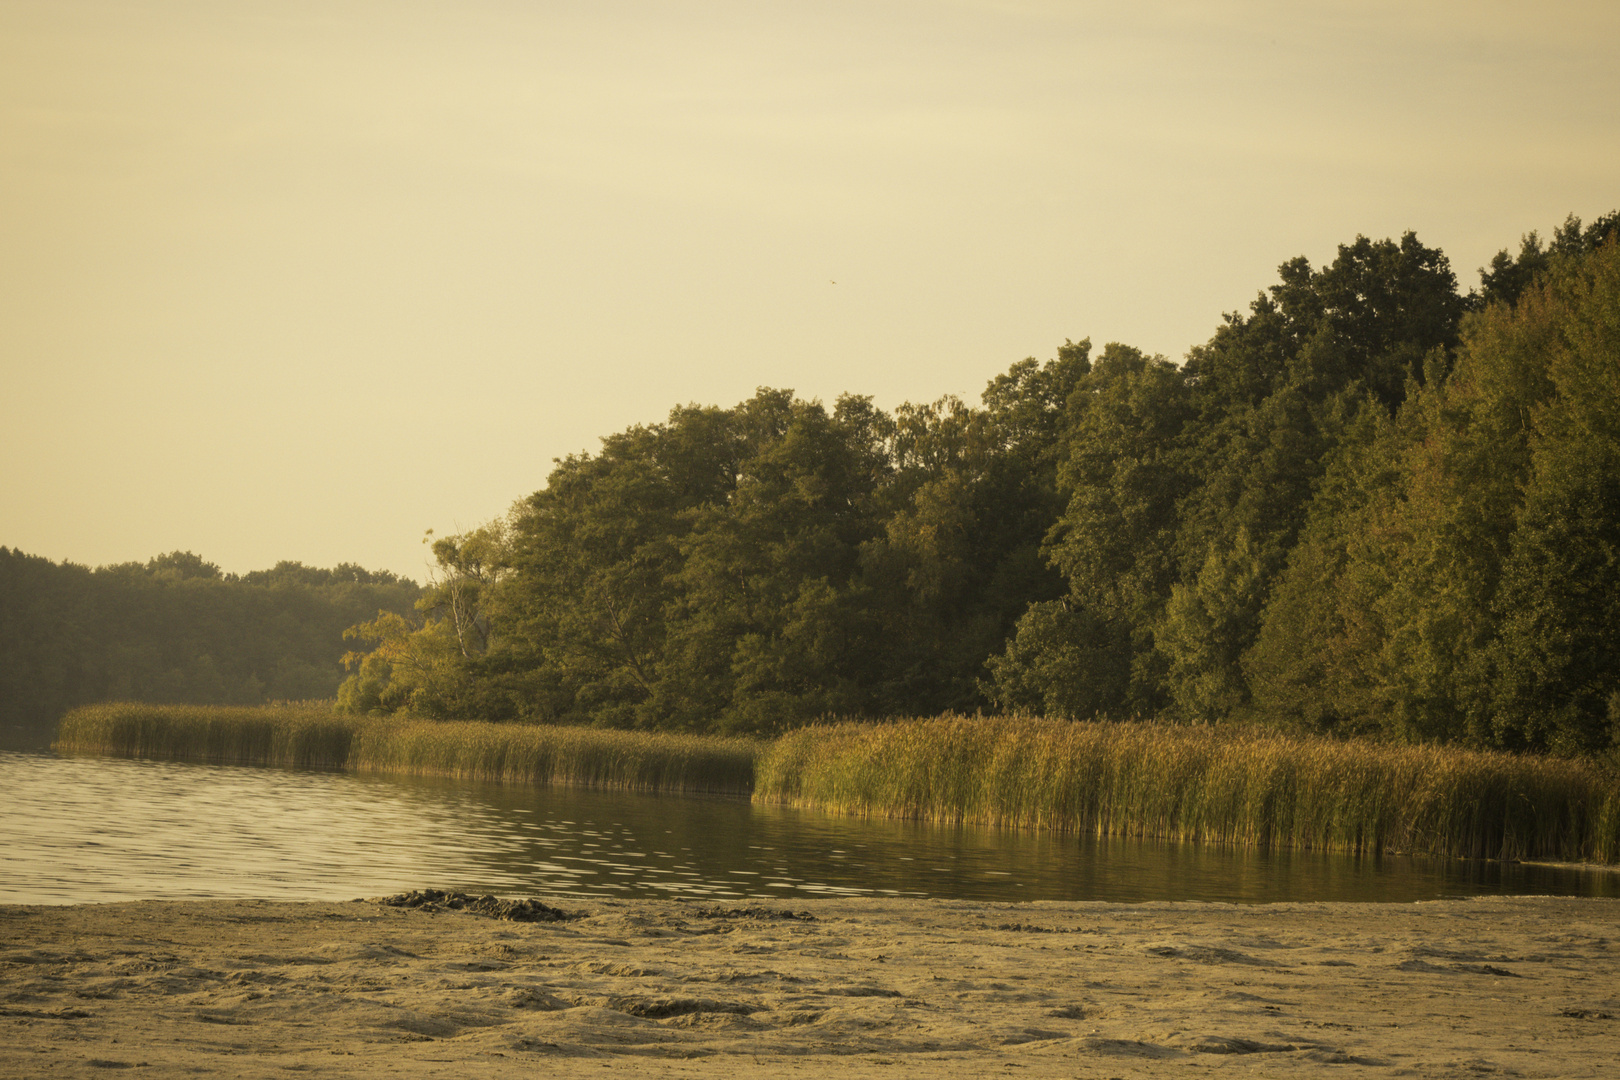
301, 280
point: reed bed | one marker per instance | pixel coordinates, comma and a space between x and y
1206, 784
535, 754
1242, 786
310, 735
301, 734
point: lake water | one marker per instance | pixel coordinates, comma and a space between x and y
81, 829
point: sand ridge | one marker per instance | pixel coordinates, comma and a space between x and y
1499, 986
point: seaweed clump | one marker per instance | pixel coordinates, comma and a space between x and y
520, 910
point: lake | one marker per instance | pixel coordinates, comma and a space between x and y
84, 829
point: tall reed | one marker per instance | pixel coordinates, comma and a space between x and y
1140, 780
311, 735
1199, 783
535, 754
301, 734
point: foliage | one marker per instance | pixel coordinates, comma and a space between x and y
1361, 506
430, 666
1123, 474
1559, 601
1457, 576
175, 629
746, 569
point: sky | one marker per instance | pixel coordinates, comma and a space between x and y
302, 280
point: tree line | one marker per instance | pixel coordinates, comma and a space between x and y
175, 629
1371, 503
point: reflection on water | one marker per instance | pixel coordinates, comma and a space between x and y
95, 829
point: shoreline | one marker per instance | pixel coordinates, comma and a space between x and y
847, 987
1135, 779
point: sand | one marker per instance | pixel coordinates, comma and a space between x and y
1517, 987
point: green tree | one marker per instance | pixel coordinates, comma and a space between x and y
959, 561
1124, 470
1560, 599
1313, 663
1508, 277
1208, 623
766, 628
1442, 588
1270, 390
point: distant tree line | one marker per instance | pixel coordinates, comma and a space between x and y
176, 629
1370, 503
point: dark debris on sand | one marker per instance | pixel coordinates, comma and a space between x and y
752, 911
529, 910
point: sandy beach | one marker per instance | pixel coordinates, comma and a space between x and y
1516, 987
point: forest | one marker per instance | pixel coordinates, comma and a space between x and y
175, 629
1371, 504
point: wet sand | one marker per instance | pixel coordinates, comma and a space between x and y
1465, 988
